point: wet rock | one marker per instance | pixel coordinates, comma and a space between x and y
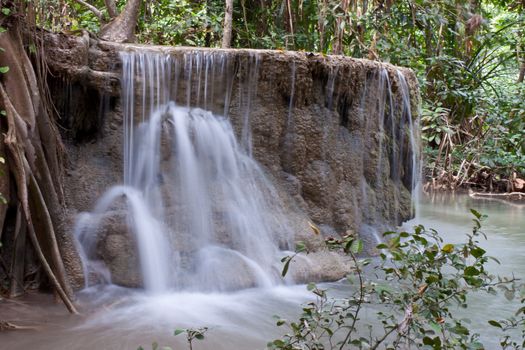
117, 248
320, 266
322, 135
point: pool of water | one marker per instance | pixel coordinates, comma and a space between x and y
505, 231
122, 319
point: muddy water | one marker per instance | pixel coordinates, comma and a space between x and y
120, 319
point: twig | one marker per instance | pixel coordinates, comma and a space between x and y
361, 300
93, 9
8, 326
508, 195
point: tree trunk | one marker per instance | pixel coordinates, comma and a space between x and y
340, 22
521, 76
227, 29
121, 29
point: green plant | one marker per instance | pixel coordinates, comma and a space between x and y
420, 279
512, 327
191, 335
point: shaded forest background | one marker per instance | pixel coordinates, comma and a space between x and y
469, 57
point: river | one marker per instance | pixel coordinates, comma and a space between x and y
121, 319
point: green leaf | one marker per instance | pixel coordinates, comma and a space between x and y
495, 324
384, 288
460, 329
278, 342
495, 260
6, 11
476, 213
435, 326
199, 336
4, 69
432, 279
357, 246
300, 247
179, 331
471, 271
477, 252
520, 311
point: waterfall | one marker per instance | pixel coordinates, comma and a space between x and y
201, 210
416, 164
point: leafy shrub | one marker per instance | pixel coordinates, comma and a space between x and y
421, 280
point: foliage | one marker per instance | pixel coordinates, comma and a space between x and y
510, 327
421, 281
191, 335
467, 56
182, 22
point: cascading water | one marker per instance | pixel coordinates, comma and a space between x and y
197, 204
416, 165
195, 215
399, 158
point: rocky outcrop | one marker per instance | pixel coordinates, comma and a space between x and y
332, 132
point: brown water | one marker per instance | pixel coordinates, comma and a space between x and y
120, 319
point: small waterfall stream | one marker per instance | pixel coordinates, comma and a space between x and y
196, 202
201, 212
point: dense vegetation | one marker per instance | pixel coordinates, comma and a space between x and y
469, 57
414, 292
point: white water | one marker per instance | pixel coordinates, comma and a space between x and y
415, 153
196, 203
122, 319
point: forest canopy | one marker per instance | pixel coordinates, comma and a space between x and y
469, 57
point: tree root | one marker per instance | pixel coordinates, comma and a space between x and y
33, 160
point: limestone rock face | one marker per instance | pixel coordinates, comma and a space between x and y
331, 132
117, 249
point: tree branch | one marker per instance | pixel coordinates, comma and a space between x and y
93, 9
112, 8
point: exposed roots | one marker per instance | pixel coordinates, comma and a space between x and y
33, 153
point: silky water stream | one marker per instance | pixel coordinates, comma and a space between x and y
123, 318
209, 223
